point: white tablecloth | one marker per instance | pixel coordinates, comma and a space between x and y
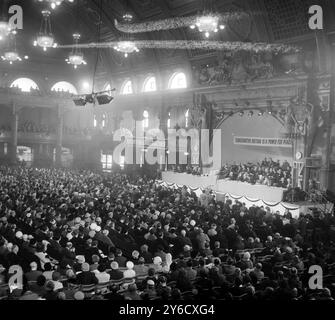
254, 192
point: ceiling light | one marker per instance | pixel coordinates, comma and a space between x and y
76, 57
45, 38
208, 24
11, 56
126, 47
55, 3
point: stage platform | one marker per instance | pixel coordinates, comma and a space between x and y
257, 195
270, 194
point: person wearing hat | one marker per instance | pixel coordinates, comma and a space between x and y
115, 273
86, 277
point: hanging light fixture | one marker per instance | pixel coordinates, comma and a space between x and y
11, 55
76, 57
127, 45
45, 38
208, 22
55, 3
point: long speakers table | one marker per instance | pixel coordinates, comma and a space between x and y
189, 180
254, 192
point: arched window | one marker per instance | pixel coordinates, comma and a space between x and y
25, 84
108, 88
145, 119
169, 121
150, 84
64, 86
104, 120
127, 87
187, 118
178, 81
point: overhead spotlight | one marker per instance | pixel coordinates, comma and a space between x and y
104, 99
79, 101
261, 113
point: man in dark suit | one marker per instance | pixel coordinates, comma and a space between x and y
115, 273
120, 259
86, 277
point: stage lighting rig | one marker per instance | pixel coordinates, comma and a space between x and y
102, 98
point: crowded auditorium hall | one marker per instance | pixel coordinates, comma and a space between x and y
169, 150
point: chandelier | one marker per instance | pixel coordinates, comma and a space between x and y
208, 24
11, 55
45, 38
126, 47
4, 29
76, 57
54, 3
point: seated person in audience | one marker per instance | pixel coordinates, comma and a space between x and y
129, 273
132, 293
102, 275
141, 268
86, 277
115, 273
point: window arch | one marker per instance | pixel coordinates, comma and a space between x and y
64, 86
169, 121
150, 84
108, 87
127, 87
104, 120
25, 84
178, 81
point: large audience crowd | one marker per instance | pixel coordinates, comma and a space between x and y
84, 236
268, 172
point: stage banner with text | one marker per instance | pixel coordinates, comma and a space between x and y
263, 142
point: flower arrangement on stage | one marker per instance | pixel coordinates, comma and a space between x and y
176, 22
256, 47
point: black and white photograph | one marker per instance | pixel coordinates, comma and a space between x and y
173, 154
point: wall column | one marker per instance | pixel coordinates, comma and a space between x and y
14, 137
59, 142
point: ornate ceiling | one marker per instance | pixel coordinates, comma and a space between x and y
280, 20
